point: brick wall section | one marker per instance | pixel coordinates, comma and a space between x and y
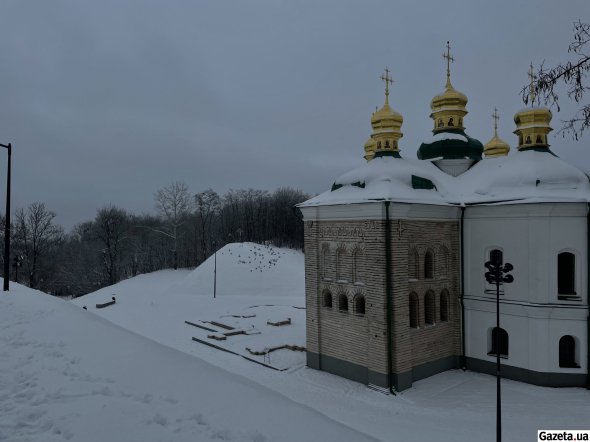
430, 342
361, 339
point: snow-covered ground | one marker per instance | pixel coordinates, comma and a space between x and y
70, 373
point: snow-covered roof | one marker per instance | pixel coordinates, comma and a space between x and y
521, 177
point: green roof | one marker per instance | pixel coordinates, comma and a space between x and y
453, 147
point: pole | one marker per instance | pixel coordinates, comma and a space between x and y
498, 401
215, 275
7, 225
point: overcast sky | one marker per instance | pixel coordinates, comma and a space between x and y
108, 101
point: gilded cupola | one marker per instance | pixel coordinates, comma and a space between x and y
532, 124
496, 147
449, 141
386, 124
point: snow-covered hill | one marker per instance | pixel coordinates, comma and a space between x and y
67, 374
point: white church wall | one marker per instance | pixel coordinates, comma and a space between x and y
531, 236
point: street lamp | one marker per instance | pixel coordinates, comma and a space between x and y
215, 270
497, 274
7, 225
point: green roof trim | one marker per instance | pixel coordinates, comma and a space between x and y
422, 183
359, 184
387, 153
451, 148
538, 149
335, 187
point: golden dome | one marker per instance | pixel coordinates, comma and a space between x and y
386, 118
496, 147
386, 124
448, 108
532, 124
370, 147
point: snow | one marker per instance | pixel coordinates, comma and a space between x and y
103, 374
521, 177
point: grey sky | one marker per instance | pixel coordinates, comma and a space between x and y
107, 101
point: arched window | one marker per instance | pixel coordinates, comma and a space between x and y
499, 342
327, 299
359, 304
414, 310
341, 264
342, 302
567, 352
358, 265
444, 261
566, 273
429, 264
325, 261
444, 306
429, 308
413, 261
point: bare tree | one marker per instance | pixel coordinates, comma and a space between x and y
111, 226
572, 74
207, 205
173, 202
36, 234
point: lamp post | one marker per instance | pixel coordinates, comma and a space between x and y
497, 274
7, 225
215, 271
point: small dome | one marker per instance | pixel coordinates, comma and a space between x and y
370, 147
532, 128
450, 97
386, 118
496, 147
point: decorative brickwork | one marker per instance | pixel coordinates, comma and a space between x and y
347, 258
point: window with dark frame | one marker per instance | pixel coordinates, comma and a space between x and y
567, 352
429, 308
342, 302
499, 342
566, 274
327, 299
414, 310
429, 264
359, 304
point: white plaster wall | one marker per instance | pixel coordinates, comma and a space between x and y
534, 334
531, 236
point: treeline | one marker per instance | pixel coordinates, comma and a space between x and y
185, 230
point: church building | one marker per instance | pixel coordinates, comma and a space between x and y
395, 253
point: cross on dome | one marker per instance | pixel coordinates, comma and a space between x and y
449, 59
496, 117
388, 80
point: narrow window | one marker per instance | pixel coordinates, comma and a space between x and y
567, 352
429, 308
359, 304
444, 306
357, 266
341, 264
429, 265
414, 312
327, 299
444, 262
499, 342
325, 261
342, 302
566, 273
413, 264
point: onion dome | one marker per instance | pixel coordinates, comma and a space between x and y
450, 142
370, 147
532, 124
496, 147
386, 124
